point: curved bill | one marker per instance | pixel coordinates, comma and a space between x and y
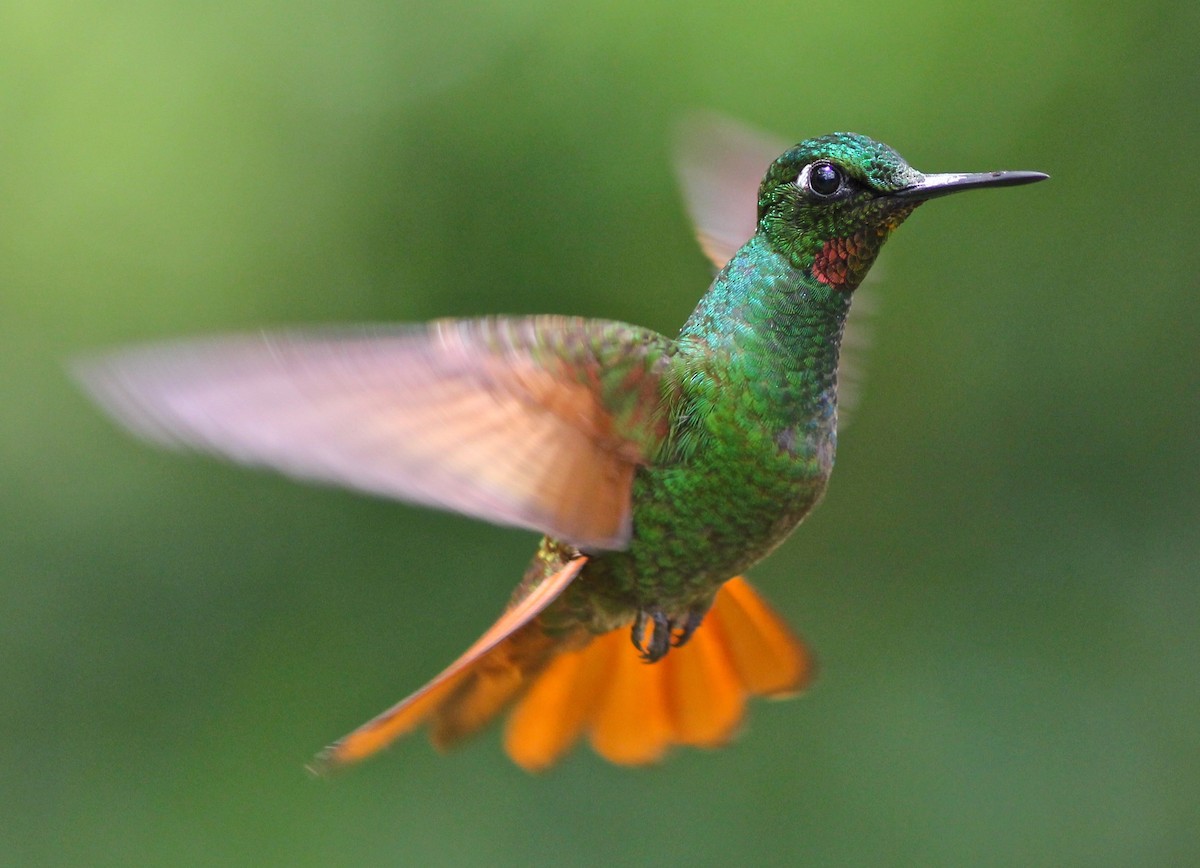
932, 186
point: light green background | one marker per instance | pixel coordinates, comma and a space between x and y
1001, 584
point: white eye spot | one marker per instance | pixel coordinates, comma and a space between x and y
802, 180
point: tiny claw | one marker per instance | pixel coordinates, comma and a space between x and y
639, 630
660, 636
694, 619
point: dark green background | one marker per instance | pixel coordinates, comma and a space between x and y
1001, 584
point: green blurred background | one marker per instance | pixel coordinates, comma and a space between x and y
1001, 583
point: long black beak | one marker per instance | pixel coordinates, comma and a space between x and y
932, 186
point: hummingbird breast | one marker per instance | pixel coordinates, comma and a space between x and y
746, 483
752, 442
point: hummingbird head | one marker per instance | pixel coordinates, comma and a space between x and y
829, 203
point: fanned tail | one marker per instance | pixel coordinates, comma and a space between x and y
567, 685
633, 712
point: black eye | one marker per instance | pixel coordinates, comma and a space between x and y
824, 179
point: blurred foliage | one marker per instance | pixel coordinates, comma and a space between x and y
1001, 583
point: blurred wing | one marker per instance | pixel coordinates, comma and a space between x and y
537, 422
720, 163
856, 345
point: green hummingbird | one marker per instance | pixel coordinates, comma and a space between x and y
659, 469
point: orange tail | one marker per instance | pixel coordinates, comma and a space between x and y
565, 686
695, 695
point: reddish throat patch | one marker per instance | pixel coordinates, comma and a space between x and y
832, 264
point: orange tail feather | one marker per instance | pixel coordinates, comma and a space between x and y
482, 669
634, 712
566, 686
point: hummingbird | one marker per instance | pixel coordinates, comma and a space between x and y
659, 469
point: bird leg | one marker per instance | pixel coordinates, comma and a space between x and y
660, 635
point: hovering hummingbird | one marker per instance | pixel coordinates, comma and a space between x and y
659, 469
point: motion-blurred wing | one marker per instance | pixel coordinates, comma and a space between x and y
537, 422
720, 164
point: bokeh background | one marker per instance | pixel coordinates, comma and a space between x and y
1001, 584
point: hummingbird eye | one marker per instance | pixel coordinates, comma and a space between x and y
823, 180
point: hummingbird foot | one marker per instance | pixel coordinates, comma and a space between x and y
660, 635
694, 618
665, 633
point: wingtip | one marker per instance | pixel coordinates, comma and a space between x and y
110, 380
